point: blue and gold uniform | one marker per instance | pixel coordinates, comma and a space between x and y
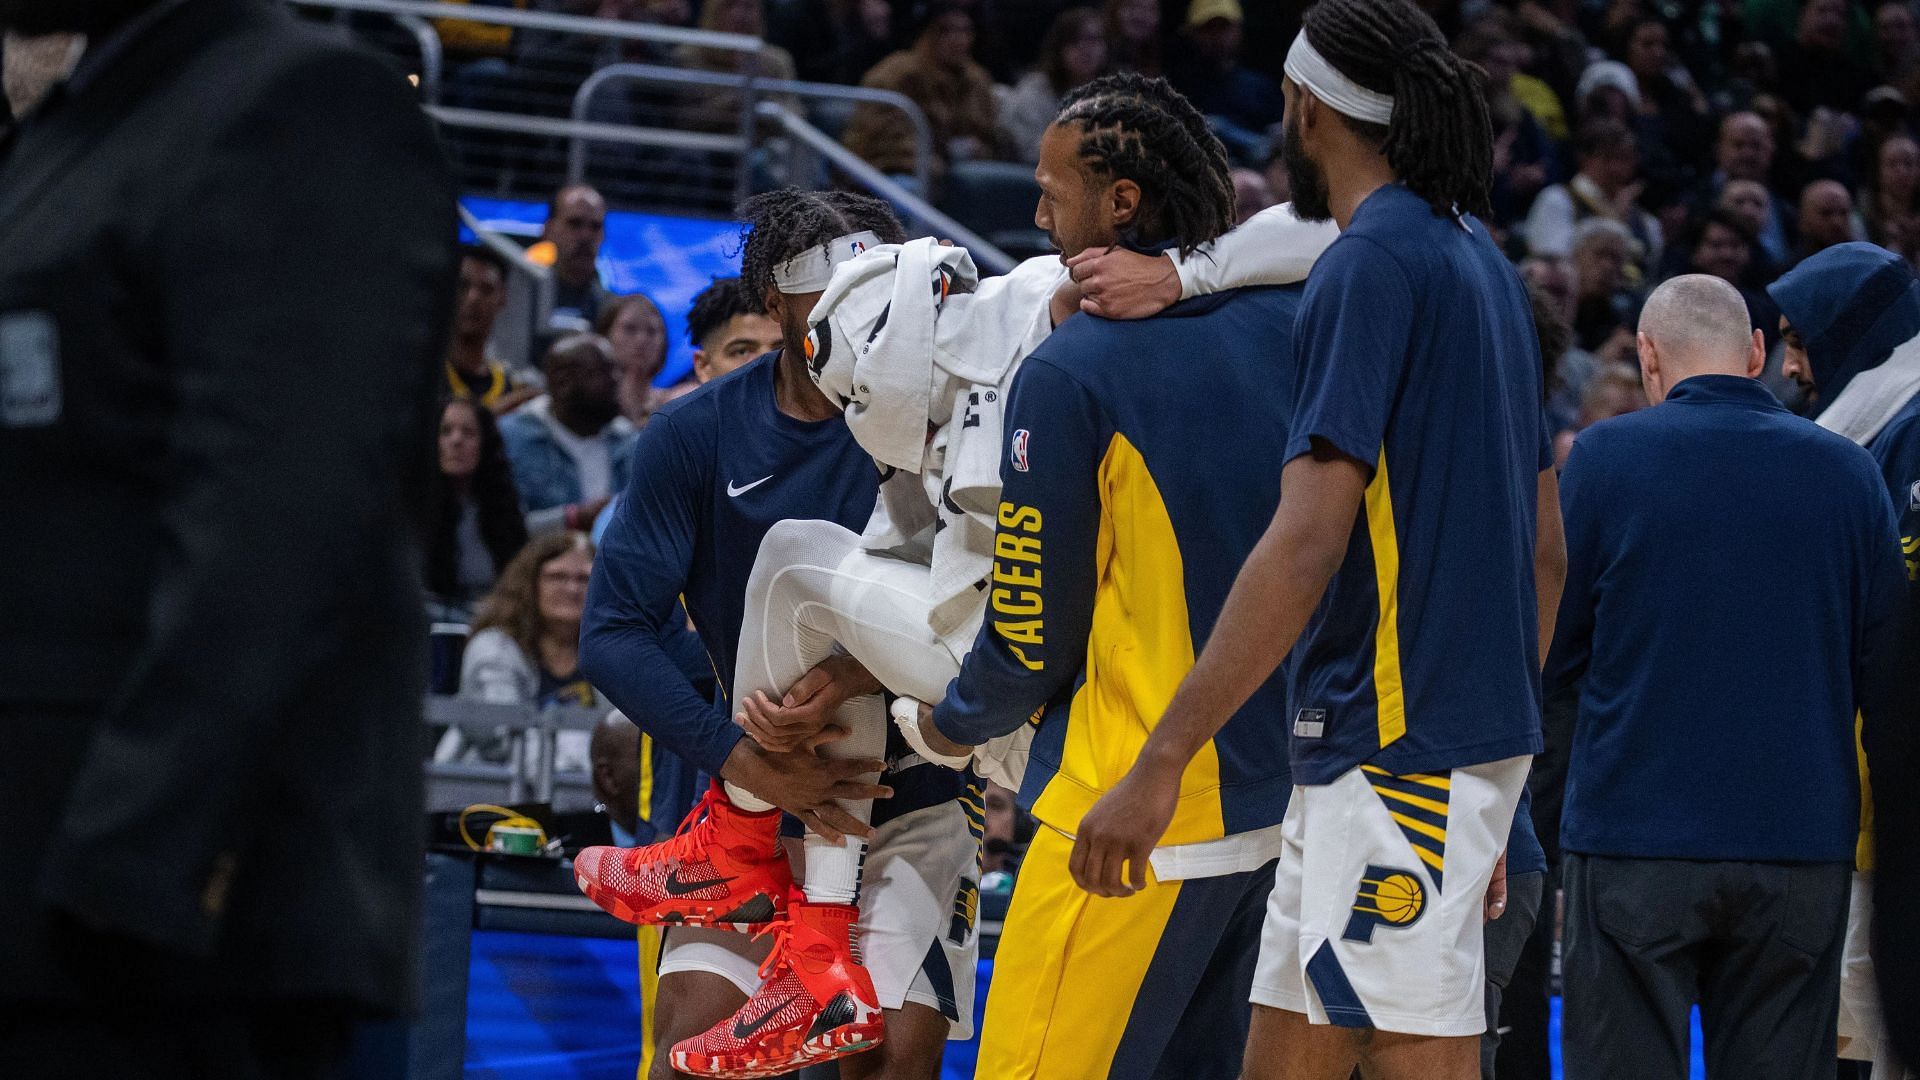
1143, 464
1415, 689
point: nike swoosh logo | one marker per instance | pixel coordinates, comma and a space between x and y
743, 1029
677, 887
736, 492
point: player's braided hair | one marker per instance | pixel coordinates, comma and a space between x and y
1440, 141
781, 224
1141, 129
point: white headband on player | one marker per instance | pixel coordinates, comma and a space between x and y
1308, 68
809, 271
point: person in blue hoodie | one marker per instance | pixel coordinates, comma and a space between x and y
1851, 319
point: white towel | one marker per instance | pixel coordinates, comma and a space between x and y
1873, 397
908, 339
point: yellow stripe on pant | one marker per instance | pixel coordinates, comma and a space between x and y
1069, 969
650, 941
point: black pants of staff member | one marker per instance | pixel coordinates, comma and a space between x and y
1756, 945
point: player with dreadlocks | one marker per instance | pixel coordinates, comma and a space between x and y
712, 474
1412, 572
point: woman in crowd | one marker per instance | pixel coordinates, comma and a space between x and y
1890, 198
638, 333
476, 525
525, 648
1075, 53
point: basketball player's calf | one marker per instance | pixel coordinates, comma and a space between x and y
688, 1003
916, 1041
1321, 1052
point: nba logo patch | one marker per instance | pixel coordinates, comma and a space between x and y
1913, 496
1020, 450
1386, 897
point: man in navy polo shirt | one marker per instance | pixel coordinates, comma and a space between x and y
1713, 792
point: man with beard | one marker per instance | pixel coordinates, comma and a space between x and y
1142, 462
230, 251
1416, 429
570, 448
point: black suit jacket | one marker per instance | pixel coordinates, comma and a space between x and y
226, 273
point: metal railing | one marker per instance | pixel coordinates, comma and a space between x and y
585, 25
912, 204
532, 734
752, 87
760, 120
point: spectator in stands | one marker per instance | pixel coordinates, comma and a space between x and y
1613, 389
1605, 257
1250, 194
1720, 245
1818, 70
570, 447
1240, 103
1075, 53
472, 370
475, 526
1896, 43
1523, 157
1133, 36
525, 648
569, 243
1890, 198
1550, 280
1607, 88
939, 73
728, 328
1826, 218
716, 108
1744, 151
832, 41
633, 325
1675, 120
613, 754
1747, 201
1607, 186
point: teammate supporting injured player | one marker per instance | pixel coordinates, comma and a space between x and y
1417, 479
1141, 464
714, 471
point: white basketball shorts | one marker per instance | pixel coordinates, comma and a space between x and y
1376, 914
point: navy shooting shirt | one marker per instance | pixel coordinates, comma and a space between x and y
712, 472
1415, 355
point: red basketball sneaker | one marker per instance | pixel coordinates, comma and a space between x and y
816, 1003
724, 866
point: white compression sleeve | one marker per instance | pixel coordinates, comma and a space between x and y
1273, 247
813, 587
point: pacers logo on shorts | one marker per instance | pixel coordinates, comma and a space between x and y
1387, 897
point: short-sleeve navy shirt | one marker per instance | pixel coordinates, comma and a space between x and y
1415, 354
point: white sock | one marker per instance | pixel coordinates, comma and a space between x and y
833, 870
746, 800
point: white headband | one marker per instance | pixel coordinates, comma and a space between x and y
1308, 68
809, 271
